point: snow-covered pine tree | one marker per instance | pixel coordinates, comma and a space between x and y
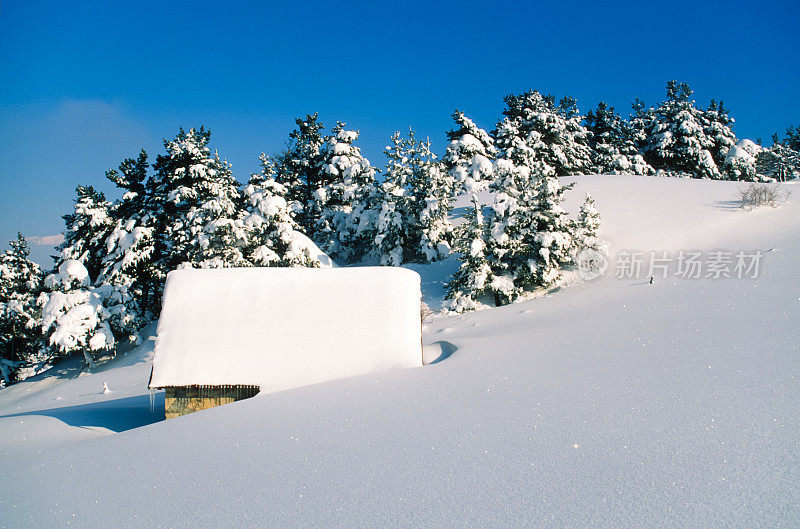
516, 158
345, 228
129, 263
553, 245
778, 163
126, 280
394, 202
604, 126
532, 239
299, 170
74, 318
676, 138
414, 204
433, 204
274, 238
792, 139
474, 275
740, 161
511, 231
588, 224
193, 199
718, 127
468, 159
87, 229
639, 123
20, 319
516, 171
614, 143
554, 134
568, 108
390, 226
127, 268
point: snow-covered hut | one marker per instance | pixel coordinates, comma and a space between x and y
226, 334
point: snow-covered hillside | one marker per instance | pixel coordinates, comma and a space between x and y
614, 402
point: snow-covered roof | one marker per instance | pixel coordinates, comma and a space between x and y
280, 328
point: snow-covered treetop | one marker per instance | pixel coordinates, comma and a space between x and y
187, 162
343, 159
86, 229
469, 156
16, 270
273, 237
71, 274
551, 134
680, 137
744, 150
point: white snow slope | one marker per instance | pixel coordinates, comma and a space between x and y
614, 403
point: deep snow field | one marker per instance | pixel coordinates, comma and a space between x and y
610, 403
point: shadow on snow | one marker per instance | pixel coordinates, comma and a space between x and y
116, 415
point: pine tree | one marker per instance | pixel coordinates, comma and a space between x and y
554, 134
20, 320
127, 273
473, 277
740, 161
191, 195
391, 227
274, 238
718, 127
131, 178
639, 122
346, 224
87, 229
395, 203
128, 264
778, 163
781, 161
588, 225
413, 204
516, 158
568, 108
614, 142
531, 237
433, 203
792, 139
677, 141
553, 232
74, 318
299, 169
468, 159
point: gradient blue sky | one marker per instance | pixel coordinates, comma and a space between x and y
86, 84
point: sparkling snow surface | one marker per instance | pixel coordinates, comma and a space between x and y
614, 403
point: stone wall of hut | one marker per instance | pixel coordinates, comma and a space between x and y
180, 400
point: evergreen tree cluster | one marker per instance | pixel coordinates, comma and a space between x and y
321, 200
525, 240
337, 200
318, 199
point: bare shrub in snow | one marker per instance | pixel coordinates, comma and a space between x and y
757, 195
424, 311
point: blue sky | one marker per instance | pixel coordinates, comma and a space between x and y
86, 84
